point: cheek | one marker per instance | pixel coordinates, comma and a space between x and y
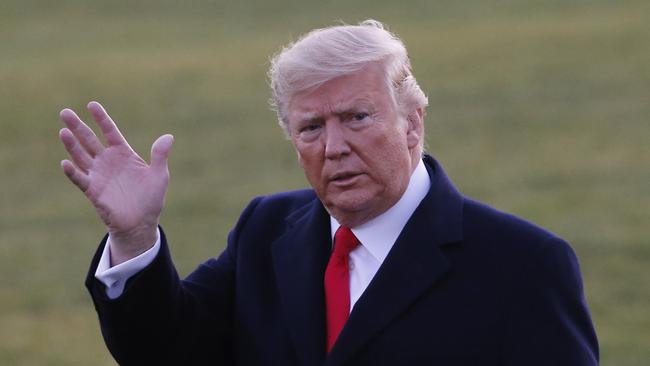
391, 147
302, 152
301, 161
311, 164
391, 157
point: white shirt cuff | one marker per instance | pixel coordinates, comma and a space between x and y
115, 277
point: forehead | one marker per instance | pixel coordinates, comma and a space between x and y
366, 87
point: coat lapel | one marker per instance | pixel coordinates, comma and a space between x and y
415, 263
300, 257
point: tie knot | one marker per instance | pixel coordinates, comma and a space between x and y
344, 241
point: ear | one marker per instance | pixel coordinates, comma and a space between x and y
415, 125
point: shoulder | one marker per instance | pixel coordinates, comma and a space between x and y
512, 243
536, 279
280, 205
489, 224
516, 252
270, 214
290, 199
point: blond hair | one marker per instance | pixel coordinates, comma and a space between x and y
324, 54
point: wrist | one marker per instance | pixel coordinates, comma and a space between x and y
132, 243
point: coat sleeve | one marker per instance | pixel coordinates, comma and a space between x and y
161, 319
549, 322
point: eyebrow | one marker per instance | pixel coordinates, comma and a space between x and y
347, 108
354, 105
308, 117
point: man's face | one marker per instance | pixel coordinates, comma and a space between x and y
357, 151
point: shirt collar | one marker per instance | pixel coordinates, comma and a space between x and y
379, 234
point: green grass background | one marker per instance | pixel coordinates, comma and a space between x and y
540, 108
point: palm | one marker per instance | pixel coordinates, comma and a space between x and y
127, 193
123, 189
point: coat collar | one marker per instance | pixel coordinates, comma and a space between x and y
413, 265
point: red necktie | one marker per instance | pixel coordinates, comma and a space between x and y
337, 284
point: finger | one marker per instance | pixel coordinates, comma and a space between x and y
78, 154
160, 151
109, 129
82, 132
75, 175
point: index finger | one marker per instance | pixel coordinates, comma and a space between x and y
109, 129
82, 132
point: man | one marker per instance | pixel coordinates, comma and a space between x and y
383, 262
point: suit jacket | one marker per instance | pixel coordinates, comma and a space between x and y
464, 284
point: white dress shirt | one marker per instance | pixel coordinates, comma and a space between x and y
376, 236
115, 277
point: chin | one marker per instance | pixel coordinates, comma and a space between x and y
350, 212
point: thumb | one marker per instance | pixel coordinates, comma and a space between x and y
160, 151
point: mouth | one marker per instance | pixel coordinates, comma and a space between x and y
345, 178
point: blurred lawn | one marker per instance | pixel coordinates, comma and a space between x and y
540, 108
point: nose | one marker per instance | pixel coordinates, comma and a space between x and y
336, 144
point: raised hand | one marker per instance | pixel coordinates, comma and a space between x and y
127, 193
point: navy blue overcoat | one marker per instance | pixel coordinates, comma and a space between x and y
464, 284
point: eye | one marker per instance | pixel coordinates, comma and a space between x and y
360, 116
311, 127
309, 131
